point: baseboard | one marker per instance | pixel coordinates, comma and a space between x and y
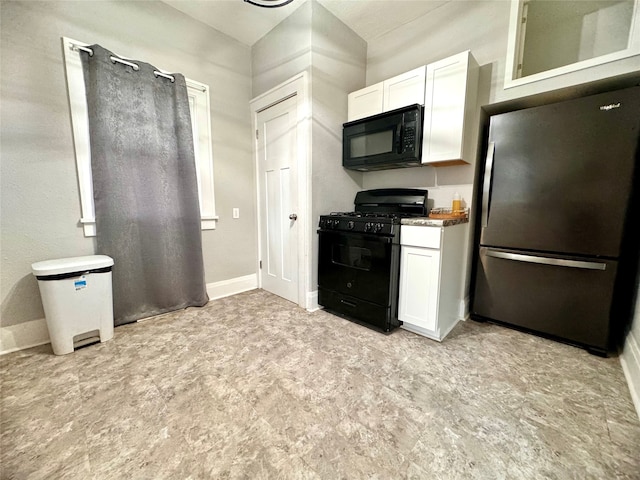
23, 335
226, 288
312, 301
33, 333
420, 331
630, 360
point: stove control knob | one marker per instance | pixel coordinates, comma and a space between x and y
322, 223
336, 222
350, 225
368, 226
379, 227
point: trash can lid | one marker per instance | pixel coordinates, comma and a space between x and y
70, 265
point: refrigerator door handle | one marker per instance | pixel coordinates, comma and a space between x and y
486, 188
518, 257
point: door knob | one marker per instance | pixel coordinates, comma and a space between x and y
293, 216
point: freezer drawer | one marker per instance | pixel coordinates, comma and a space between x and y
568, 298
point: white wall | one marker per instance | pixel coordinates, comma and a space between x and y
39, 192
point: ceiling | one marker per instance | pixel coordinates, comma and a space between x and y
247, 23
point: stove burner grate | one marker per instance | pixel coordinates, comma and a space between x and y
375, 214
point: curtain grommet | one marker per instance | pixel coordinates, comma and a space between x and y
157, 74
124, 62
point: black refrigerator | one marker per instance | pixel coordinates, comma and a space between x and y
555, 250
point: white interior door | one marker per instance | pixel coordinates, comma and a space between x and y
278, 181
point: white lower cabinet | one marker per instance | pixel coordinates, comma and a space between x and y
431, 278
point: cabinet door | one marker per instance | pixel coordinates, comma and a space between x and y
444, 109
365, 102
419, 287
404, 89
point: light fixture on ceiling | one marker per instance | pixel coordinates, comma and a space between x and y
269, 3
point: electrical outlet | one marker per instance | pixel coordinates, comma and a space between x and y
236, 213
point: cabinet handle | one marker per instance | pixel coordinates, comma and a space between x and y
486, 188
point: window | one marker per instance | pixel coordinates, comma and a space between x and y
200, 118
201, 124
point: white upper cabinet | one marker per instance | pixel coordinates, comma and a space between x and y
450, 101
448, 90
399, 91
365, 102
404, 89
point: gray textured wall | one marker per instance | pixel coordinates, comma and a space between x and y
39, 192
478, 26
314, 40
283, 52
338, 67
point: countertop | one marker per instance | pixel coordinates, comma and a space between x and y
433, 222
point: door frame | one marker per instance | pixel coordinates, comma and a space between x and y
297, 86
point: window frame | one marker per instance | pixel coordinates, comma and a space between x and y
199, 106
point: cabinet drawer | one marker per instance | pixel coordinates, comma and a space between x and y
416, 236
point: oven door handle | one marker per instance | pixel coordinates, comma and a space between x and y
376, 238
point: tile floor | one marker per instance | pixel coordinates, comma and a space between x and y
253, 387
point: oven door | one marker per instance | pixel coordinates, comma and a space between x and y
362, 266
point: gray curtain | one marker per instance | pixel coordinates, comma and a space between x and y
144, 187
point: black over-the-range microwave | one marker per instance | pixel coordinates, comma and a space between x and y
388, 140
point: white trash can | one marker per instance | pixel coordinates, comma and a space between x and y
78, 300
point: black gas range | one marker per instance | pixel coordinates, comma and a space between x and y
359, 256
